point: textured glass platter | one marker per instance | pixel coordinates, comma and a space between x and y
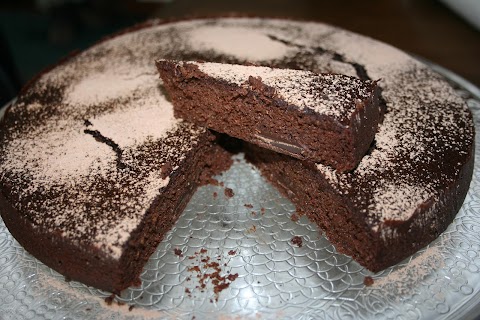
250, 236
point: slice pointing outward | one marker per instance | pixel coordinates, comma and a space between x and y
326, 118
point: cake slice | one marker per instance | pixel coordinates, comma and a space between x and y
326, 118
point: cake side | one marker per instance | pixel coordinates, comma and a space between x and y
326, 118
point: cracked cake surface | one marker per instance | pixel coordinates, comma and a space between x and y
83, 147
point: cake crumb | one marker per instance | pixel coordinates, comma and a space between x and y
211, 181
248, 205
252, 229
253, 213
178, 252
229, 192
368, 281
131, 307
262, 210
294, 217
209, 271
296, 240
215, 194
232, 277
109, 299
194, 268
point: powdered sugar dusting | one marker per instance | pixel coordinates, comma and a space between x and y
245, 43
55, 155
379, 58
401, 281
398, 201
138, 123
112, 84
326, 94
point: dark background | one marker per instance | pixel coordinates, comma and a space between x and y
35, 34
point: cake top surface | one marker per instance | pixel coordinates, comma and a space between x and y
79, 149
332, 95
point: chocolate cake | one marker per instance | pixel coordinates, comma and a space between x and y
326, 118
94, 168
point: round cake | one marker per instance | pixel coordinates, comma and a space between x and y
95, 169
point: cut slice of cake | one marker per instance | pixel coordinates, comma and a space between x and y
326, 118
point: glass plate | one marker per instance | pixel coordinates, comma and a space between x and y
260, 272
